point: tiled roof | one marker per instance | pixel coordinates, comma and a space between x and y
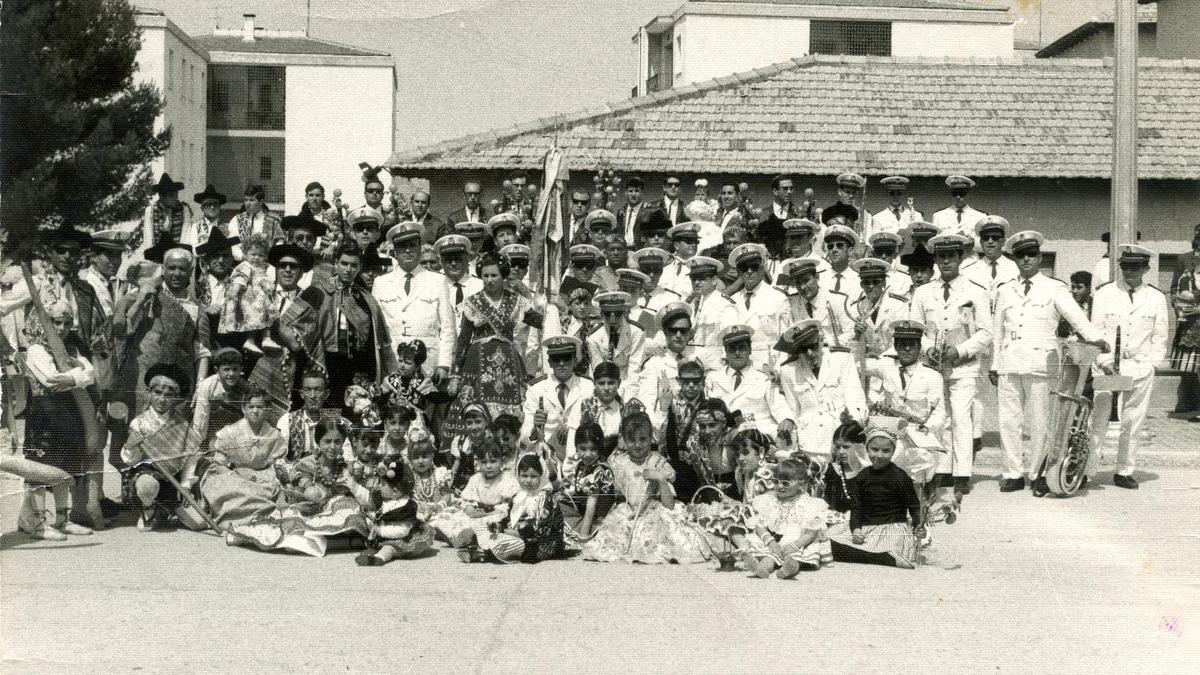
280, 45
821, 115
1147, 14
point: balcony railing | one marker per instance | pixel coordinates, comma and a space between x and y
246, 119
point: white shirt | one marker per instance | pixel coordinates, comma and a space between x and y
1142, 317
757, 397
425, 313
950, 221
675, 277
828, 278
963, 322
768, 315
544, 392
1025, 325
887, 220
990, 274
816, 402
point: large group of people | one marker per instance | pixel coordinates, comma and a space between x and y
780, 386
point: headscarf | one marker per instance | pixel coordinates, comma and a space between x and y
887, 427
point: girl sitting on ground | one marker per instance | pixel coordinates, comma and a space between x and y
484, 500
432, 488
884, 500
383, 485
533, 529
787, 528
587, 492
646, 527
462, 458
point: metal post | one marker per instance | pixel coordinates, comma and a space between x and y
1124, 169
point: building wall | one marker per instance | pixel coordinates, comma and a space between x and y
715, 46
337, 116
1177, 20
235, 162
924, 39
180, 73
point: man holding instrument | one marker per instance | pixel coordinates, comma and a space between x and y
1028, 310
810, 301
1134, 316
958, 326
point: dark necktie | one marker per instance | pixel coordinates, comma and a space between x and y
748, 296
562, 395
1131, 295
946, 291
838, 285
903, 377
875, 314
737, 379
993, 269
1028, 285
407, 283
897, 212
614, 338
960, 215
809, 306
458, 293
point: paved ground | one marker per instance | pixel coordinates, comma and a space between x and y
1098, 583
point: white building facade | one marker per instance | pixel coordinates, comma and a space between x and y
707, 39
272, 108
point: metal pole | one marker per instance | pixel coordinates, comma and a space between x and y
1124, 170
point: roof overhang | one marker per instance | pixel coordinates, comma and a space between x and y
981, 14
274, 59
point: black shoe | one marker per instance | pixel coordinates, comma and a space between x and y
1126, 482
1012, 484
976, 446
962, 485
111, 509
1039, 487
1194, 420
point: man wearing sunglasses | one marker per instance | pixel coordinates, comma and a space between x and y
992, 268
840, 277
764, 307
454, 252
306, 230
473, 210
886, 247
810, 301
297, 326
899, 213
618, 341
364, 223
959, 217
551, 399
1028, 310
875, 309
659, 381
713, 310
577, 228
669, 204
685, 240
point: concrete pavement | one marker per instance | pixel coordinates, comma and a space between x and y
1097, 583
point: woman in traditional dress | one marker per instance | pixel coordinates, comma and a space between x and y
488, 367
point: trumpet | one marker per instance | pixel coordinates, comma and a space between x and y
936, 357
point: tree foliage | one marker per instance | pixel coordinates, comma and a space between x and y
77, 133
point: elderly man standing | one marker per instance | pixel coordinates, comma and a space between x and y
472, 211
416, 303
1134, 316
107, 251
1028, 310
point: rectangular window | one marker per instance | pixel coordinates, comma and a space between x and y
170, 69
264, 168
854, 38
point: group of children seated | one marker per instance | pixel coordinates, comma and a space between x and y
494, 496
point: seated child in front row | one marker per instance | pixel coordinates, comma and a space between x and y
788, 527
533, 529
883, 498
462, 458
484, 501
432, 487
647, 527
161, 440
383, 485
587, 491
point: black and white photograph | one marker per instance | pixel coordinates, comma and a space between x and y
612, 336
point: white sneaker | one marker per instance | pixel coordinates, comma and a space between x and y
67, 527
269, 345
41, 531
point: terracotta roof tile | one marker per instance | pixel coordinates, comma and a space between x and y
826, 114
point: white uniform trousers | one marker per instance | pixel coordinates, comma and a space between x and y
1023, 397
1134, 405
958, 459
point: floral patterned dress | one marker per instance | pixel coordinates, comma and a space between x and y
787, 522
255, 307
641, 529
583, 482
487, 359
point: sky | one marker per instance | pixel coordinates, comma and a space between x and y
467, 66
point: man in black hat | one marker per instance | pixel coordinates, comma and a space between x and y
306, 231
210, 202
166, 218
216, 263
281, 374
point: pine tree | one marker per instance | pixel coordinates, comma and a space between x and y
77, 133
